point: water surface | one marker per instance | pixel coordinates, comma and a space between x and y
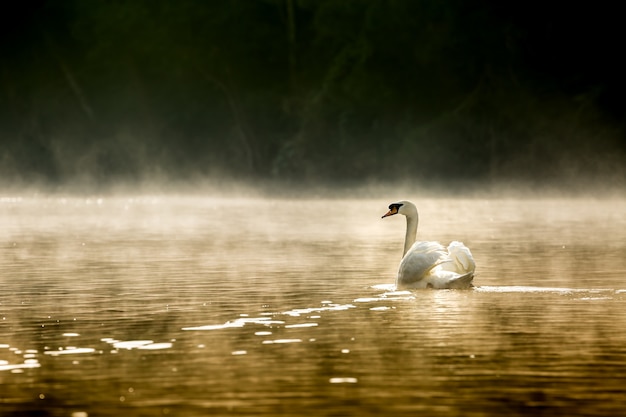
188, 306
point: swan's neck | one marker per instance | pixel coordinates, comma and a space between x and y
411, 232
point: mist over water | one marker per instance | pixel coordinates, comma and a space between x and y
188, 305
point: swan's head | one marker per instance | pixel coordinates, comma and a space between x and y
405, 208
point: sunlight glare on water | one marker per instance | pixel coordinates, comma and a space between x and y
179, 305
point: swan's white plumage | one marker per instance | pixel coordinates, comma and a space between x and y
460, 257
430, 264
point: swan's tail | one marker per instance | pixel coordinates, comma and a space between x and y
461, 282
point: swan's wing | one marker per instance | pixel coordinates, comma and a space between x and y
419, 261
462, 261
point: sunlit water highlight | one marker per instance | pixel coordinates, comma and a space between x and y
207, 306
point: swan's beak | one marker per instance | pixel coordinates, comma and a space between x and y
393, 210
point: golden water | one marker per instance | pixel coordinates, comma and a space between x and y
187, 306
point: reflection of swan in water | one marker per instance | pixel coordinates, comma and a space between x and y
430, 264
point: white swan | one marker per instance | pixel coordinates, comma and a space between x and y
430, 264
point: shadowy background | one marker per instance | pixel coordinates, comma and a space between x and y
99, 92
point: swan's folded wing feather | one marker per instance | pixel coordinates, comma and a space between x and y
461, 257
419, 261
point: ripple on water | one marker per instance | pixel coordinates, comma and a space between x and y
156, 346
344, 380
294, 326
69, 351
583, 294
19, 367
390, 294
240, 322
281, 341
269, 321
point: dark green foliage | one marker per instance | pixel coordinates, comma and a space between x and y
116, 90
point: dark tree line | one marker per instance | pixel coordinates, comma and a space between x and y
354, 89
